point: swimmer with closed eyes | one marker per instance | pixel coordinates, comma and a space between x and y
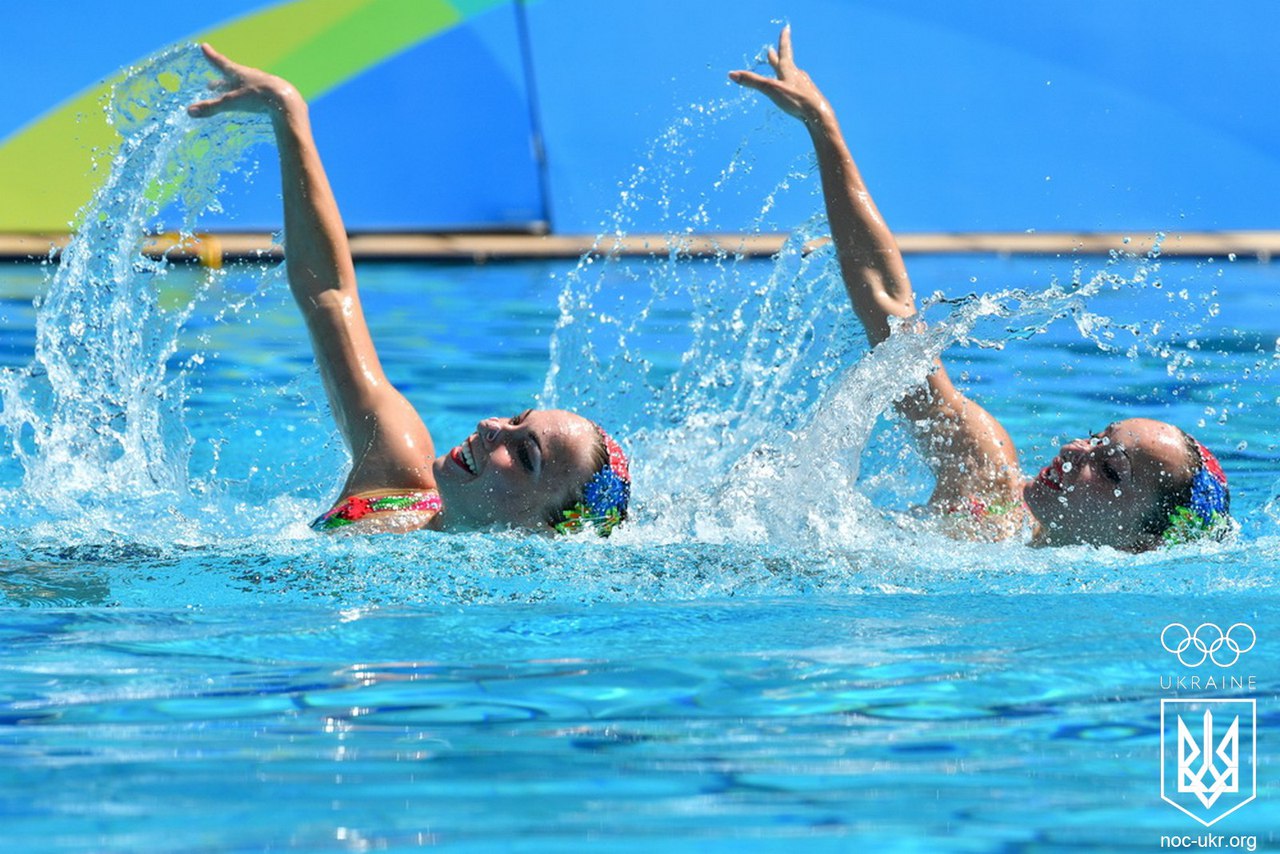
1138, 484
541, 470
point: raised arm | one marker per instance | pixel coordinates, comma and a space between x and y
969, 452
874, 275
389, 444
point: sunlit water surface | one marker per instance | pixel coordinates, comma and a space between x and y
773, 653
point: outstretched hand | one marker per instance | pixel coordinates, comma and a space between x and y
792, 90
242, 89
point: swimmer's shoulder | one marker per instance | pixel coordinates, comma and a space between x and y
983, 506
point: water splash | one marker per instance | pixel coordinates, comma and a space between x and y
98, 412
765, 445
758, 432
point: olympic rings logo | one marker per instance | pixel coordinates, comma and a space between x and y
1213, 642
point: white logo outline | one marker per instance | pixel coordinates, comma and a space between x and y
1225, 780
1191, 640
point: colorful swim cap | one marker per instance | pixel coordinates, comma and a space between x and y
605, 497
1209, 510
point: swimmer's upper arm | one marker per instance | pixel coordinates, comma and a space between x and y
389, 443
970, 452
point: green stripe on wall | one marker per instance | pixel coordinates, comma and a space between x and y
376, 31
45, 168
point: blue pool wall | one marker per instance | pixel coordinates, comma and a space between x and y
992, 115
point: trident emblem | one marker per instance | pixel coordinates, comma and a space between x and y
1211, 775
1198, 763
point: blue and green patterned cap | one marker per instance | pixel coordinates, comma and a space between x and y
605, 497
1209, 509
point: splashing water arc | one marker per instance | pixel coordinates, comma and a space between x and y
98, 410
764, 429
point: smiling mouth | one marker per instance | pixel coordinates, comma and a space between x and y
1051, 475
464, 458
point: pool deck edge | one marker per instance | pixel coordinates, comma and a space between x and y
215, 248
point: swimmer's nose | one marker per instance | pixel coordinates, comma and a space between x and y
488, 430
1075, 449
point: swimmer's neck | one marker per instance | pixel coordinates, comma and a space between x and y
1039, 534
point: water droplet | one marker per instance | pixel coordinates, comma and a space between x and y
1066, 467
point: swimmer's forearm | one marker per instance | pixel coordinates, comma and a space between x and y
317, 255
875, 276
322, 278
870, 263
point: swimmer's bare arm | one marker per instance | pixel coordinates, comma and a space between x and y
969, 451
390, 445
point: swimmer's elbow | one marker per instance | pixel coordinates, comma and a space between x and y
337, 301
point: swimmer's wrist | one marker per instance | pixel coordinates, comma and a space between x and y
821, 120
284, 99
288, 109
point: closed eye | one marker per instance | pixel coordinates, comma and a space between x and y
1116, 465
526, 457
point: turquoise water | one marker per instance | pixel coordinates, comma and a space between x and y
951, 722
773, 655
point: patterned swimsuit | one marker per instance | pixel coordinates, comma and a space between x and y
356, 507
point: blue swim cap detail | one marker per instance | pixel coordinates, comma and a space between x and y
605, 491
1208, 511
605, 497
1208, 496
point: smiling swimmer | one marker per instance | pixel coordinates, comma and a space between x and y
542, 470
1135, 486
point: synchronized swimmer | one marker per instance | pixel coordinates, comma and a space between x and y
541, 470
1134, 486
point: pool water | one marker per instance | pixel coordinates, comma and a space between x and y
949, 722
774, 654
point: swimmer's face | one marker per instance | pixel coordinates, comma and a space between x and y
1103, 490
516, 472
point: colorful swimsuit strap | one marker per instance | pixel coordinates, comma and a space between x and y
356, 507
978, 508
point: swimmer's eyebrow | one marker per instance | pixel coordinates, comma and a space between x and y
1103, 434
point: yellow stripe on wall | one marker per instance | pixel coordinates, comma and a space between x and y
45, 172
